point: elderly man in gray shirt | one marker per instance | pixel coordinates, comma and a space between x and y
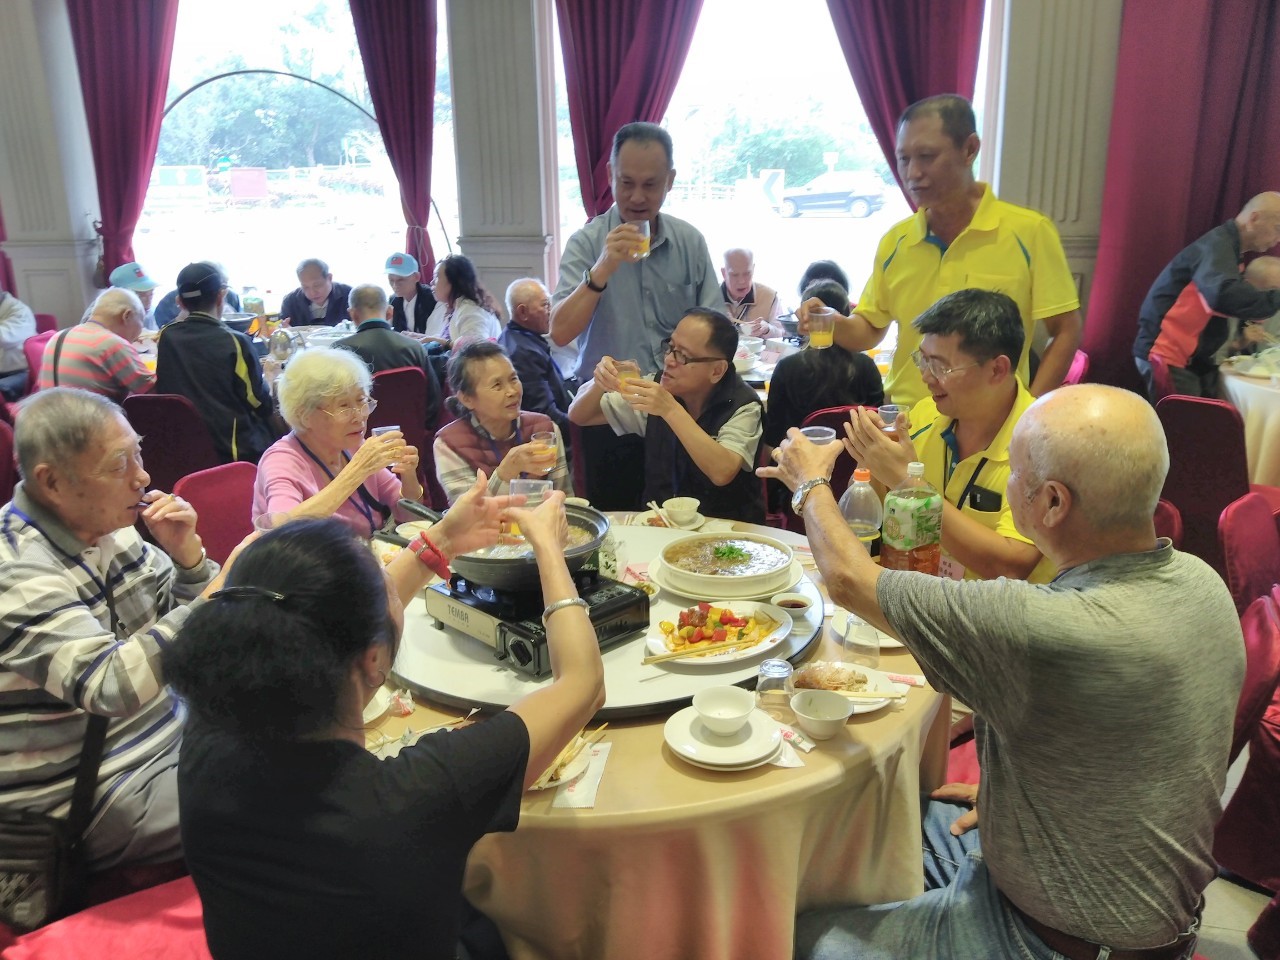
1104, 706
621, 293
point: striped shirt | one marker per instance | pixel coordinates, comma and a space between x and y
95, 359
59, 658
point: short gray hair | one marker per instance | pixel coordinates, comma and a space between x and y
1106, 445
313, 262
57, 425
114, 301
516, 296
368, 298
317, 375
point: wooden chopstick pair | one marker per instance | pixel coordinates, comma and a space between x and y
702, 648
583, 742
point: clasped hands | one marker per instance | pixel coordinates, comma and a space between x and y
797, 459
647, 396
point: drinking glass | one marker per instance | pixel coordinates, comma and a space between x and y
269, 521
379, 431
819, 435
889, 417
861, 643
822, 330
643, 226
544, 442
535, 490
774, 690
627, 369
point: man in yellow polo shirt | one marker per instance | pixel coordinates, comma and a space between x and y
961, 433
960, 237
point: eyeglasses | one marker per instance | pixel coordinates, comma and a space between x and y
365, 407
683, 358
933, 366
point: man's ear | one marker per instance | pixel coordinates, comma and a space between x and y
47, 480
1059, 503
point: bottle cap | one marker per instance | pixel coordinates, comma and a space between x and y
915, 469
862, 475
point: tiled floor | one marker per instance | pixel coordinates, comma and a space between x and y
1229, 910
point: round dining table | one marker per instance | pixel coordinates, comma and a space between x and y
673, 860
1258, 400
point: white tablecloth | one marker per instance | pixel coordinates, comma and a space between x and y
1259, 404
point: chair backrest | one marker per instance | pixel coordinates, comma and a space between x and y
1169, 523
223, 500
1161, 379
836, 418
1207, 468
8, 467
1261, 627
1250, 549
402, 401
1079, 368
33, 350
175, 440
46, 323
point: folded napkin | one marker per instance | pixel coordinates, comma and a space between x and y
581, 793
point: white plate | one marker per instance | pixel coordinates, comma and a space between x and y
877, 682
576, 768
690, 740
657, 573
837, 627
656, 642
642, 520
1248, 366
734, 767
377, 708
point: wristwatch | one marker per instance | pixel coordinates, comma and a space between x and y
802, 493
591, 284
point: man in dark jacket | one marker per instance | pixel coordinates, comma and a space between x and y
382, 348
318, 300
524, 339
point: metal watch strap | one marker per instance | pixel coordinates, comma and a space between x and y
802, 492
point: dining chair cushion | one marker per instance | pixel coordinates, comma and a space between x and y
1247, 838
175, 440
223, 500
1250, 549
1169, 523
1261, 627
33, 350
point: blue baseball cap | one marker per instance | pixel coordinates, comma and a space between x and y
131, 276
401, 264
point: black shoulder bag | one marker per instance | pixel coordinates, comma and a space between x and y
42, 858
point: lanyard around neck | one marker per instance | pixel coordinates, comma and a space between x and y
357, 499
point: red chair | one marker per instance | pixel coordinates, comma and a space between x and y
842, 472
175, 441
1207, 469
1169, 523
223, 500
1161, 379
1261, 627
1078, 370
402, 401
8, 467
1251, 549
46, 323
33, 349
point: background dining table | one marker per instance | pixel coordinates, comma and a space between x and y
673, 860
1258, 400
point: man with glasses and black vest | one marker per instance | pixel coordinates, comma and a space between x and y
216, 368
700, 423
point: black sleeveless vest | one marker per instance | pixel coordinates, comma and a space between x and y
669, 471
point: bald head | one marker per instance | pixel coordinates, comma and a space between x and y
120, 311
529, 304
1264, 273
1105, 445
1259, 222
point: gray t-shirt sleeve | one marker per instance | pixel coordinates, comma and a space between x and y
622, 416
964, 633
741, 434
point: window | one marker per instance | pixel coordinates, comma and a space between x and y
259, 171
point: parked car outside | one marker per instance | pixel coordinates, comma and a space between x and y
848, 191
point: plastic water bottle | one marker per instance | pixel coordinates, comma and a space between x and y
913, 525
861, 509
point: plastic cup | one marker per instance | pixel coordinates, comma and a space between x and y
861, 643
819, 435
535, 490
379, 431
889, 417
269, 521
774, 690
822, 330
642, 250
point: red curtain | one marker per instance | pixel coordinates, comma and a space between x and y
1195, 132
398, 46
123, 50
901, 51
622, 60
6, 268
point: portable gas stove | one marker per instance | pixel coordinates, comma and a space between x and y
511, 621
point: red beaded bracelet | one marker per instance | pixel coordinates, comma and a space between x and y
431, 555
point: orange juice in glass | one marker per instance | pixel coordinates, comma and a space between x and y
642, 250
822, 330
627, 370
544, 445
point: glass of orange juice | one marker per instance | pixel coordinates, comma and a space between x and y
544, 443
822, 330
642, 250
627, 369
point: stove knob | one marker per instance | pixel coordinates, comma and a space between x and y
519, 651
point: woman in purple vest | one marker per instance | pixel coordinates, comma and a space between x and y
492, 433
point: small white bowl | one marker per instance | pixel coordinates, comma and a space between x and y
412, 528
742, 362
753, 345
682, 509
724, 710
796, 604
577, 502
821, 712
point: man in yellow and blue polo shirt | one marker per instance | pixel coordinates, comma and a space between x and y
961, 433
960, 237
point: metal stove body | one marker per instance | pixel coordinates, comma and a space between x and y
511, 621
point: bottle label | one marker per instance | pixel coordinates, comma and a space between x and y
912, 523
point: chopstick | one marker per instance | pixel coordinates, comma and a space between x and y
583, 742
661, 514
869, 695
701, 649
